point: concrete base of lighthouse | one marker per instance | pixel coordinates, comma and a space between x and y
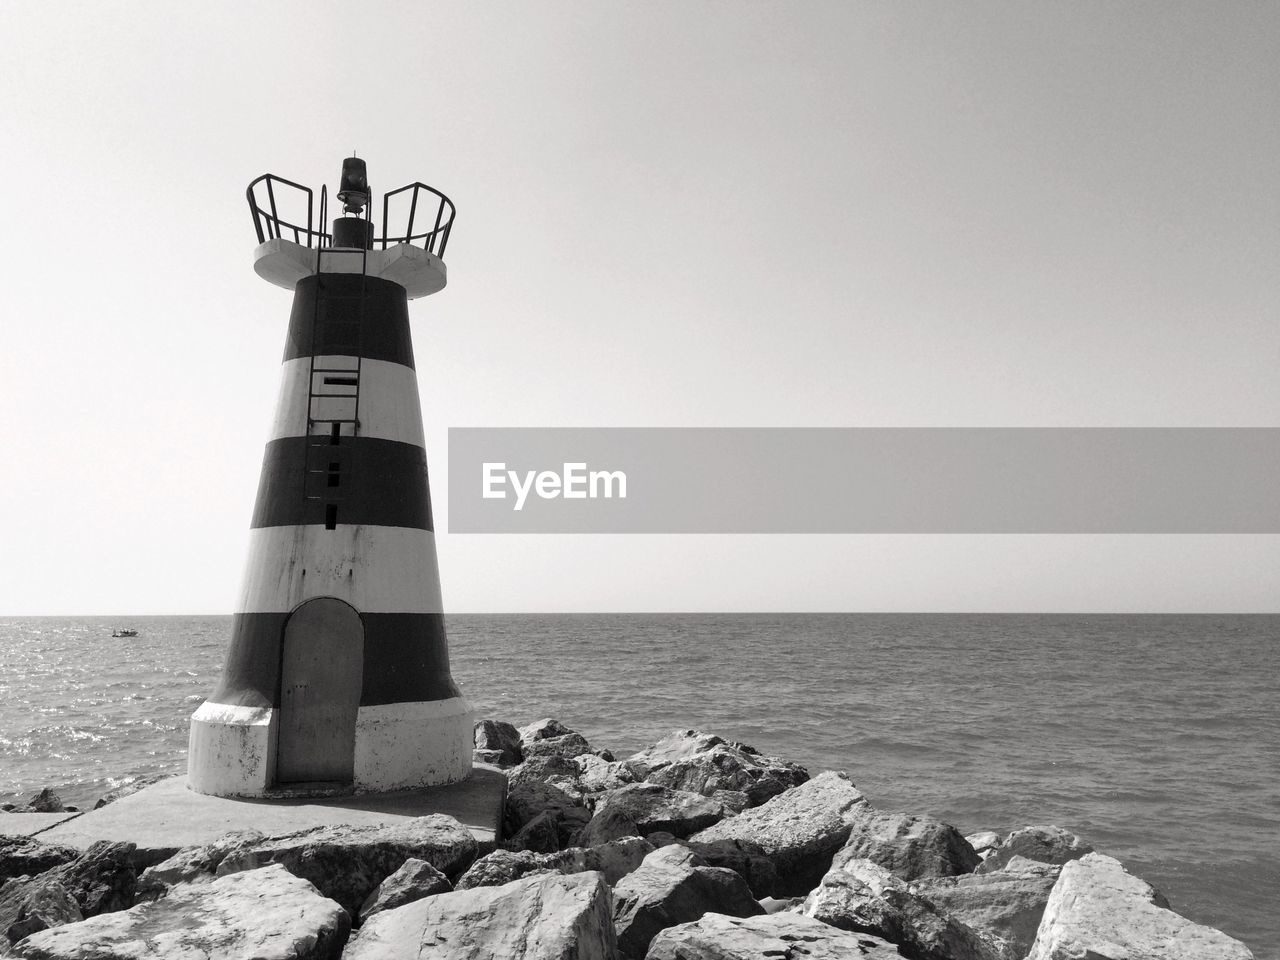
398, 746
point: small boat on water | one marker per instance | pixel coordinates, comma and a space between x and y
124, 633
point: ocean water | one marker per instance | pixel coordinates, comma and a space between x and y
1157, 738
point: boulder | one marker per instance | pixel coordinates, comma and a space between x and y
500, 736
49, 905
984, 842
911, 847
704, 763
541, 834
652, 808
346, 863
673, 885
414, 880
734, 800
503, 866
268, 914
800, 830
615, 860
596, 774
527, 800
491, 757
560, 772
744, 858
864, 897
100, 880
1042, 844
605, 826
194, 864
550, 917
27, 856
46, 801
549, 737
781, 935
1100, 912
1005, 907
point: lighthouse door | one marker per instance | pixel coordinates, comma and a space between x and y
321, 671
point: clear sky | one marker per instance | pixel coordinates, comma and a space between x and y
671, 213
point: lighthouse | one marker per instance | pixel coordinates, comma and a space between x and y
337, 675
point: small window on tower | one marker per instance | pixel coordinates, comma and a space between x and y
331, 516
333, 474
335, 432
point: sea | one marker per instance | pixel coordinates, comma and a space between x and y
1156, 738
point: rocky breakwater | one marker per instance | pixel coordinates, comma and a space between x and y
696, 848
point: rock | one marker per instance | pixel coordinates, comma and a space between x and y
652, 808
538, 918
27, 856
673, 885
46, 801
605, 826
615, 860
1042, 844
734, 800
703, 763
984, 842
491, 757
500, 736
784, 936
596, 774
911, 847
126, 789
194, 864
560, 772
527, 800
100, 880
1099, 912
346, 863
1005, 907
267, 914
48, 906
864, 897
540, 835
743, 857
414, 880
551, 737
503, 866
570, 745
800, 830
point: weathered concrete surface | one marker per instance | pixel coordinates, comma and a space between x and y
266, 914
163, 818
781, 936
30, 824
1097, 911
551, 917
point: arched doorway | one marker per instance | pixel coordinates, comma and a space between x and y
322, 666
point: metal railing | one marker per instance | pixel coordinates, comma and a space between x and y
424, 201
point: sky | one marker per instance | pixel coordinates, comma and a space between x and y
669, 214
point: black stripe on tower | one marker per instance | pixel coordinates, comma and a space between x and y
341, 328
406, 660
365, 480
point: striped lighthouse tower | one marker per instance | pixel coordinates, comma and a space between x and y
337, 678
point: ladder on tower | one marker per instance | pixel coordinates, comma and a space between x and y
333, 384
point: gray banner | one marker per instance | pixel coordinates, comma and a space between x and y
864, 480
